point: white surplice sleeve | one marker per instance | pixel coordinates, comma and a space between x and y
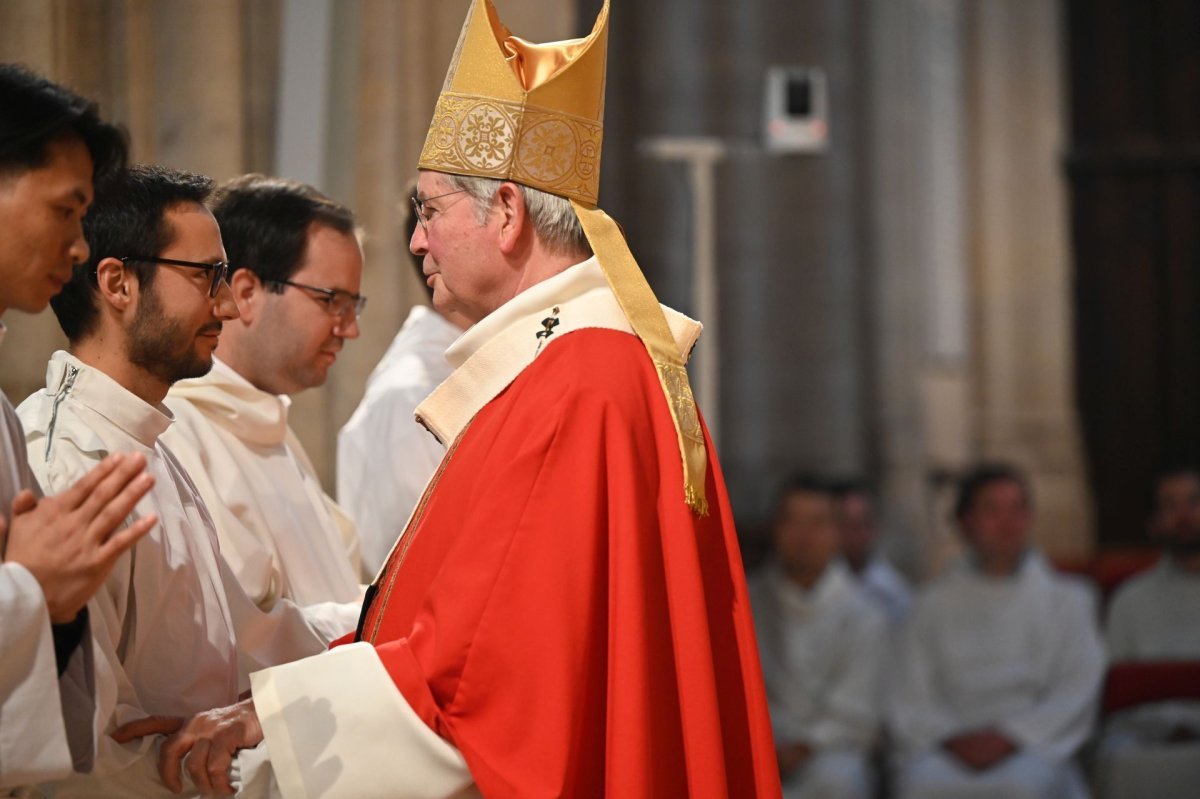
336, 726
33, 738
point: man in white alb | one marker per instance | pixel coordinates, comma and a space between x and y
859, 532
384, 457
1154, 749
823, 645
54, 551
174, 633
298, 268
1000, 662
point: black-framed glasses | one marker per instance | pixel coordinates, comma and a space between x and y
219, 270
424, 214
339, 303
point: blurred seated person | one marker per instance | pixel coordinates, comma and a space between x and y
1000, 662
1154, 749
859, 533
822, 644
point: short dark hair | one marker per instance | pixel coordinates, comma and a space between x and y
38, 112
802, 483
127, 217
265, 223
980, 477
851, 486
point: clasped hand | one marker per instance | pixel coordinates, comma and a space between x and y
209, 741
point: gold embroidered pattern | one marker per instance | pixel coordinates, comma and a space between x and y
485, 137
675, 379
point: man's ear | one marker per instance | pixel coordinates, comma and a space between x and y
117, 283
249, 293
514, 217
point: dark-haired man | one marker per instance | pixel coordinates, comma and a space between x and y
1154, 749
298, 269
858, 530
55, 551
1000, 662
823, 644
384, 457
145, 310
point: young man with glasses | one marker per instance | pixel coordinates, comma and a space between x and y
296, 280
175, 633
55, 552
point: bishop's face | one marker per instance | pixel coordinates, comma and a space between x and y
462, 261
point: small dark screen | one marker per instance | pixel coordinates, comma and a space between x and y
799, 96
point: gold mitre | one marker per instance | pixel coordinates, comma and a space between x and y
532, 113
515, 110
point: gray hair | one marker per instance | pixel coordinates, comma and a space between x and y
552, 217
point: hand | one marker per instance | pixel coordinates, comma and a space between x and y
980, 749
68, 541
792, 756
212, 738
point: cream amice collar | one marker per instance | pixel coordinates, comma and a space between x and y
489, 356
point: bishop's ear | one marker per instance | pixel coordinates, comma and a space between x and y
514, 216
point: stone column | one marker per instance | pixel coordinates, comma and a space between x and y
1022, 301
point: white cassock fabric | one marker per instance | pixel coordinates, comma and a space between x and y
1021, 654
385, 457
822, 652
279, 532
33, 738
1153, 616
174, 634
888, 588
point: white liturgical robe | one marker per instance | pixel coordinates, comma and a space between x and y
384, 457
174, 634
33, 737
1019, 654
887, 587
822, 651
1155, 616
279, 532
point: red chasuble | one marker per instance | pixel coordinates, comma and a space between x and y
556, 611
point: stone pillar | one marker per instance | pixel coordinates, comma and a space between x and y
970, 265
1022, 300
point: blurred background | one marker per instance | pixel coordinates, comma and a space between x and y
919, 232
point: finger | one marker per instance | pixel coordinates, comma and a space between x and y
125, 538
151, 725
197, 765
85, 485
115, 488
220, 759
24, 502
102, 520
169, 756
